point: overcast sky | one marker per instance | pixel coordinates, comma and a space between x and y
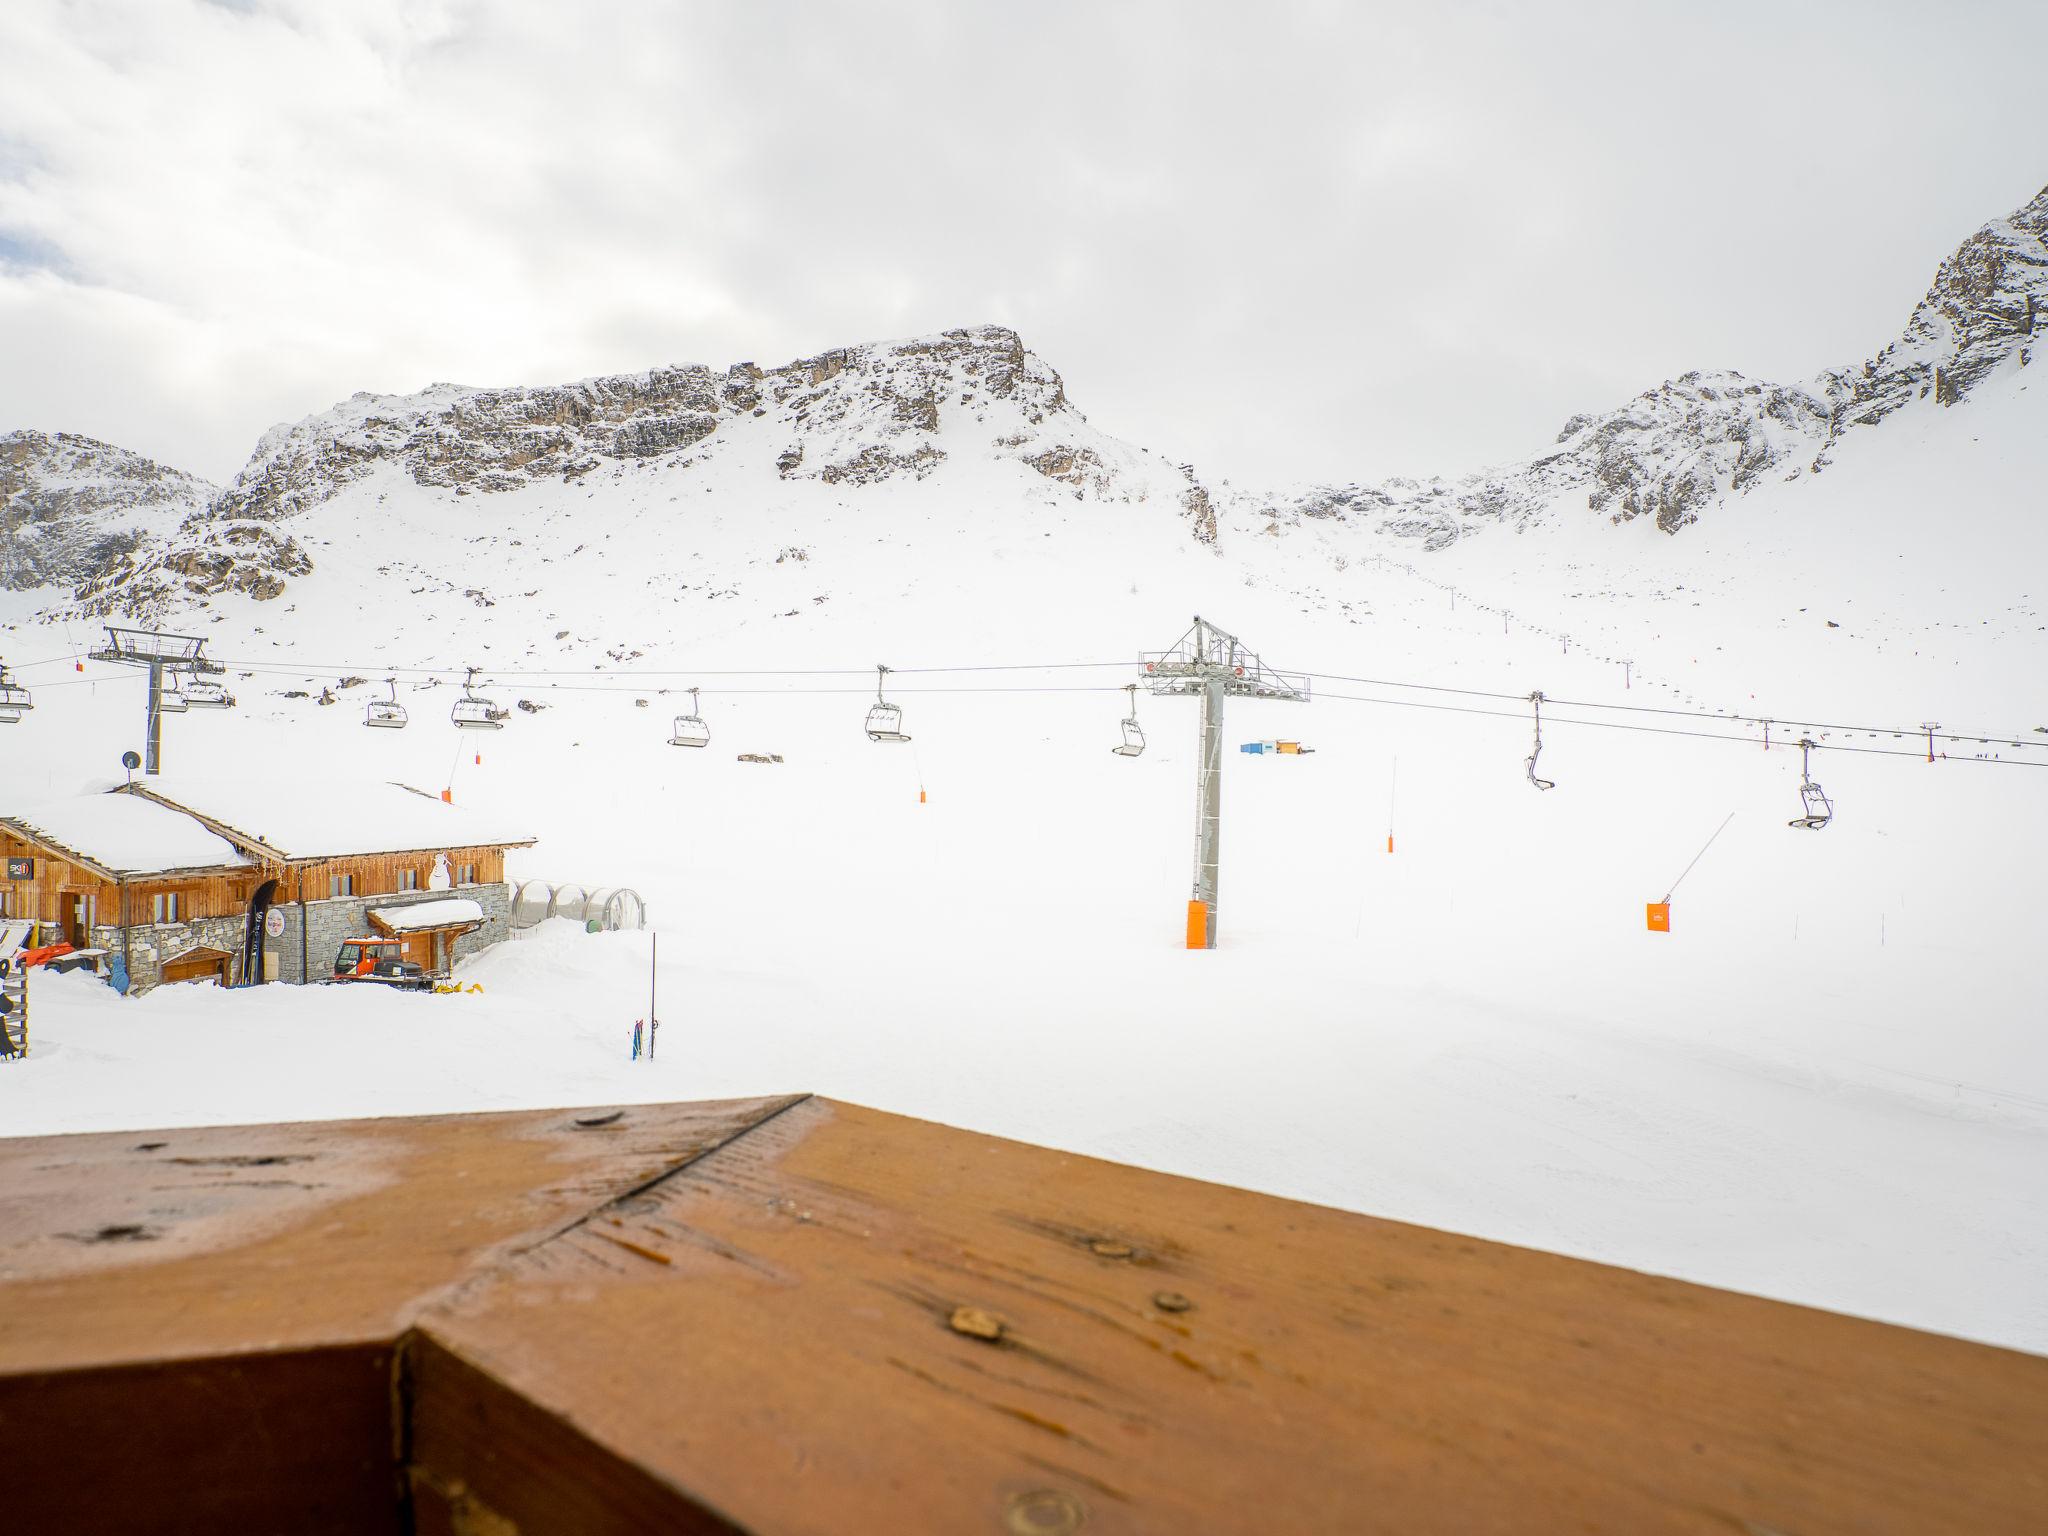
1286, 242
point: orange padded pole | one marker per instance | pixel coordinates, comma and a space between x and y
1198, 925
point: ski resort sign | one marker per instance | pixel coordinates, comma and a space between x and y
21, 869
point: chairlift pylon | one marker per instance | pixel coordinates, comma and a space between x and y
1817, 809
15, 700
885, 720
473, 712
690, 730
386, 714
1134, 734
1536, 703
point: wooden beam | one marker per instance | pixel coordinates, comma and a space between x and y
794, 1315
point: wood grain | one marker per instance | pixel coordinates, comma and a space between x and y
794, 1316
772, 1330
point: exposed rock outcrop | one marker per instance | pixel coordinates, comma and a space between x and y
72, 507
1675, 451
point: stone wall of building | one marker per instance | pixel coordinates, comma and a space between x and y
149, 945
289, 957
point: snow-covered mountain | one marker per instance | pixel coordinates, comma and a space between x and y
72, 507
847, 419
1693, 442
865, 416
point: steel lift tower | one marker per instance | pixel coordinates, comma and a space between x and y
160, 653
1216, 665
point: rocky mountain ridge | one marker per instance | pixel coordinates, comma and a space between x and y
132, 536
1694, 441
72, 507
850, 417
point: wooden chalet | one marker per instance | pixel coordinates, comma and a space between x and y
245, 883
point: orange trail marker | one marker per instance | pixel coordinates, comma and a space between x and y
1198, 925
1659, 914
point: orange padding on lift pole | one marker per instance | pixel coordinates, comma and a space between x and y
1659, 913
1198, 925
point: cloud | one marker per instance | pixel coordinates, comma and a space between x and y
1285, 242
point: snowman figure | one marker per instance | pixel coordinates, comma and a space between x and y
440, 879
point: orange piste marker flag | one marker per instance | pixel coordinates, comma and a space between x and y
1390, 842
1659, 913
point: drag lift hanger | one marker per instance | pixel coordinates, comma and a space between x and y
386, 714
885, 720
473, 712
1536, 703
1817, 809
1134, 734
15, 700
691, 731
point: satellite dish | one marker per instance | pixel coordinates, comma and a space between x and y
130, 761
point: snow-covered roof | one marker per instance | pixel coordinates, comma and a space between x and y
445, 913
300, 818
126, 835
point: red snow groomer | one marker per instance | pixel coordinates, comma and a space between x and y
378, 960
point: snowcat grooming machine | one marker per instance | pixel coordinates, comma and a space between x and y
378, 960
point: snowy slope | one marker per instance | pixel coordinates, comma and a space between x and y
1828, 1083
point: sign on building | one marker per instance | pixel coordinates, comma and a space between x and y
273, 923
21, 869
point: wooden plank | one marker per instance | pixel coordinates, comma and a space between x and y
150, 1246
298, 1442
774, 1333
797, 1316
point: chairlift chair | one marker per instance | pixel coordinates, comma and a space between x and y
473, 712
171, 700
885, 720
386, 714
205, 695
690, 730
1536, 703
15, 700
1817, 809
1134, 734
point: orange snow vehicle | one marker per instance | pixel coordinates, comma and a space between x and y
378, 960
